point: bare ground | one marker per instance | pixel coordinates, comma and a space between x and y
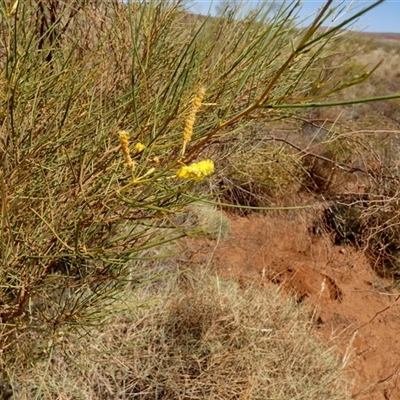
349, 303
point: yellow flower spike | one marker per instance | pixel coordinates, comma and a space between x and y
196, 171
199, 98
189, 123
124, 141
139, 147
156, 160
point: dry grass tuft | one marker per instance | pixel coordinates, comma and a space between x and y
203, 338
210, 221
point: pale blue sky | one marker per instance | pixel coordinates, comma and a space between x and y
383, 18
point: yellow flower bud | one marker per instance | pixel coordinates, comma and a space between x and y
139, 147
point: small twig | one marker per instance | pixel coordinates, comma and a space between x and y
378, 313
342, 166
377, 383
52, 229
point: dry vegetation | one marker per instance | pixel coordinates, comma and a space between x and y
81, 219
196, 337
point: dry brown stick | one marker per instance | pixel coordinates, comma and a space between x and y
379, 312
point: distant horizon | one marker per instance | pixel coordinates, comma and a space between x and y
384, 18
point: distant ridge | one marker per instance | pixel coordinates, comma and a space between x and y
381, 36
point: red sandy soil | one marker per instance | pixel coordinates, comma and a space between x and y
351, 304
